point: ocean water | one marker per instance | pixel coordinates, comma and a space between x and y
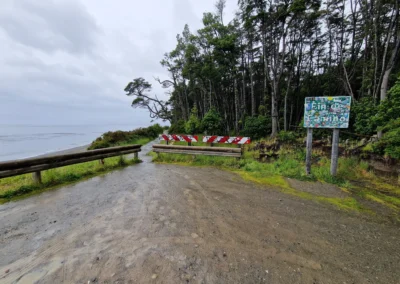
23, 141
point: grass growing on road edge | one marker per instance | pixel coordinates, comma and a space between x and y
290, 164
23, 184
347, 203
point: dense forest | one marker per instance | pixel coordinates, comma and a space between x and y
251, 75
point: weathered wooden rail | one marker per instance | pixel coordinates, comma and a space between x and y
198, 150
36, 165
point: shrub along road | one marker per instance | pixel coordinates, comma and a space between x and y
152, 223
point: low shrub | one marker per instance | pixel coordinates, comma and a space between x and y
256, 127
177, 127
364, 111
287, 137
193, 125
212, 123
115, 138
99, 144
389, 144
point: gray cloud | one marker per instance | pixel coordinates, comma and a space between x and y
50, 25
68, 61
184, 14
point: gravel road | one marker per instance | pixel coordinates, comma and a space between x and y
151, 223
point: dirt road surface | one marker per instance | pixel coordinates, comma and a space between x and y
152, 223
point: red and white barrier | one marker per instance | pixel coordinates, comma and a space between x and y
179, 138
226, 139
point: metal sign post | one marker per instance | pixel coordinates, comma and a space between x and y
309, 151
335, 151
326, 112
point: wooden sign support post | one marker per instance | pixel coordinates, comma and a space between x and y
309, 151
335, 151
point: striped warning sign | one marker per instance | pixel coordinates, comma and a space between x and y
179, 138
226, 139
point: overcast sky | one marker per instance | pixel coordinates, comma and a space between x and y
68, 61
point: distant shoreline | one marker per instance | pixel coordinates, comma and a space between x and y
30, 141
73, 150
64, 152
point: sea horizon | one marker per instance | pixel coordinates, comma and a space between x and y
21, 141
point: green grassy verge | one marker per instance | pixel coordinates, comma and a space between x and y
23, 184
290, 164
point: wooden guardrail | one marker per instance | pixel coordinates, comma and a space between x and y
35, 165
198, 150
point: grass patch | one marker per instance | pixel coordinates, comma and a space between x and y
23, 184
347, 203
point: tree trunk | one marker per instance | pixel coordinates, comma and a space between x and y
243, 108
243, 98
210, 95
279, 63
236, 108
392, 60
384, 85
274, 111
183, 108
291, 114
253, 98
265, 69
285, 106
204, 94
186, 99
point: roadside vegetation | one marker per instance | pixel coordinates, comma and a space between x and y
355, 178
237, 78
23, 185
285, 153
255, 71
121, 138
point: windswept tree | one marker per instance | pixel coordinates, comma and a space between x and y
140, 89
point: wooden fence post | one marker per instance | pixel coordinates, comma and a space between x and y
335, 151
309, 151
37, 177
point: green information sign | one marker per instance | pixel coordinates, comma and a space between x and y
327, 112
